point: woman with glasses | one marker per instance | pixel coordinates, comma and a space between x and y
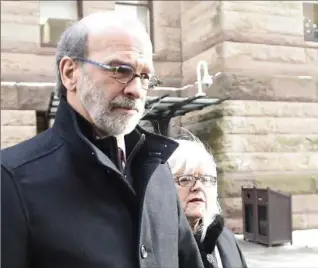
194, 172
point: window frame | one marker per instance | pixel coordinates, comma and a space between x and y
314, 6
79, 7
149, 5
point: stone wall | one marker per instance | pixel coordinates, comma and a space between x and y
17, 126
258, 46
266, 134
263, 144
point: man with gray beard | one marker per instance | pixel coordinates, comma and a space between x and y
95, 191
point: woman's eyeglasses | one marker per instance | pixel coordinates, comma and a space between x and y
190, 180
124, 74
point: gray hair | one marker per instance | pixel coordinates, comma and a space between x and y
73, 43
191, 153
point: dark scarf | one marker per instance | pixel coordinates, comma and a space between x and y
207, 246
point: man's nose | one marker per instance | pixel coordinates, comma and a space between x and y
134, 89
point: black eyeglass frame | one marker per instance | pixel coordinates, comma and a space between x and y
115, 69
208, 183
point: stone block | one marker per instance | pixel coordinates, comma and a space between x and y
256, 37
199, 33
166, 70
261, 52
13, 11
311, 55
11, 135
270, 67
9, 97
22, 47
228, 162
18, 118
26, 96
35, 97
304, 204
257, 22
167, 44
230, 188
206, 130
255, 109
27, 32
298, 88
265, 125
248, 65
289, 182
278, 8
305, 221
231, 207
167, 14
292, 186
97, 6
265, 143
211, 112
242, 86
265, 87
234, 224
27, 67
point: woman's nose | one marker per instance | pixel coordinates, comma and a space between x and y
198, 185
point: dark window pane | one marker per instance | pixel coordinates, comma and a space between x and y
310, 11
55, 17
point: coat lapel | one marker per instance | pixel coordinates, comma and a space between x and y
228, 250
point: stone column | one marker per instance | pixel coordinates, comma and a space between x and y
266, 134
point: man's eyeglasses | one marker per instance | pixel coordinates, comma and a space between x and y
190, 180
124, 74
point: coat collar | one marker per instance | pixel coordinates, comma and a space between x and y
78, 132
229, 250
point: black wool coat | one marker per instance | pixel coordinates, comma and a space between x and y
219, 236
67, 204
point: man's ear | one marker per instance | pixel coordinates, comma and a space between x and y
67, 69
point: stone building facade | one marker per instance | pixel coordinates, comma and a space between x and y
265, 135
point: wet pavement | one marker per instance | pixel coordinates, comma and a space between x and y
302, 253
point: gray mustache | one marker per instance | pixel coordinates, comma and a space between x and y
127, 103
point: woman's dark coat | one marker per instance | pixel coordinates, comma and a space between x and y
221, 237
